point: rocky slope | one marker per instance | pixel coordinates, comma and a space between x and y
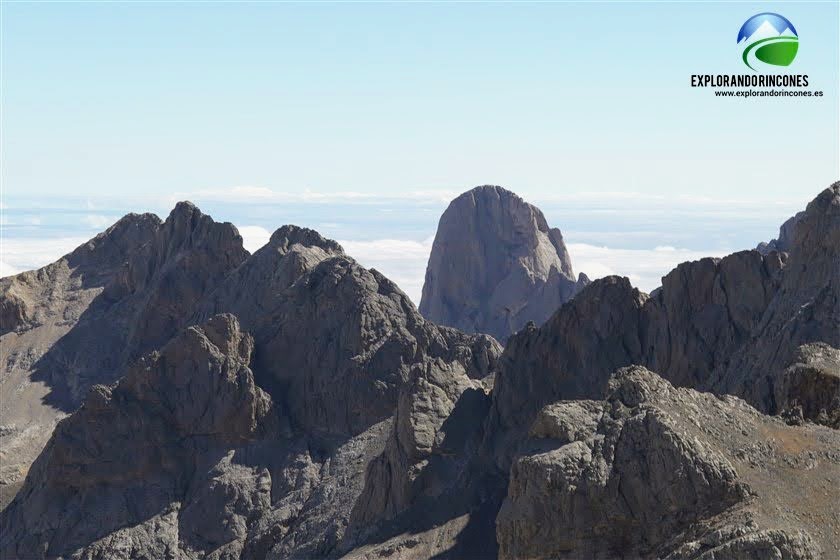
733, 325
657, 471
495, 265
155, 463
333, 346
82, 319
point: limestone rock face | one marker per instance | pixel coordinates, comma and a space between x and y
126, 458
495, 265
571, 356
426, 483
655, 471
189, 256
81, 320
36, 298
730, 325
253, 290
810, 387
337, 341
805, 309
784, 242
705, 311
349, 340
334, 346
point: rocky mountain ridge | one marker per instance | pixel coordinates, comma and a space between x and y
348, 340
730, 326
654, 471
303, 408
81, 320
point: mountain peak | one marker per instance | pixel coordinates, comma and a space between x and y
819, 225
495, 265
184, 207
116, 243
288, 235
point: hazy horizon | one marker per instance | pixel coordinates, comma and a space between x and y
363, 120
628, 234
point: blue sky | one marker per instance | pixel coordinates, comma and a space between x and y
125, 106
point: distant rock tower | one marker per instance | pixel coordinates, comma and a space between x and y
495, 265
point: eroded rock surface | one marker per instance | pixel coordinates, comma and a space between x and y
426, 495
81, 320
345, 339
656, 471
784, 242
732, 325
810, 387
128, 457
805, 309
333, 346
495, 265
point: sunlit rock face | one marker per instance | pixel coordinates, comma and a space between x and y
495, 265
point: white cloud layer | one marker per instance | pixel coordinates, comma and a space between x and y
17, 255
403, 261
248, 194
644, 267
97, 221
253, 237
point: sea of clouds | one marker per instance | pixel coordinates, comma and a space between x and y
638, 236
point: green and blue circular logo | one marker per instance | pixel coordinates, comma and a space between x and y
769, 40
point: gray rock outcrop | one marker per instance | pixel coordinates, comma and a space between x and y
349, 340
425, 495
333, 347
495, 265
348, 337
656, 471
805, 309
810, 387
784, 242
81, 320
731, 325
120, 474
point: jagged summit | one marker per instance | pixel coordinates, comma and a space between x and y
329, 347
81, 320
289, 235
784, 242
732, 326
495, 265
